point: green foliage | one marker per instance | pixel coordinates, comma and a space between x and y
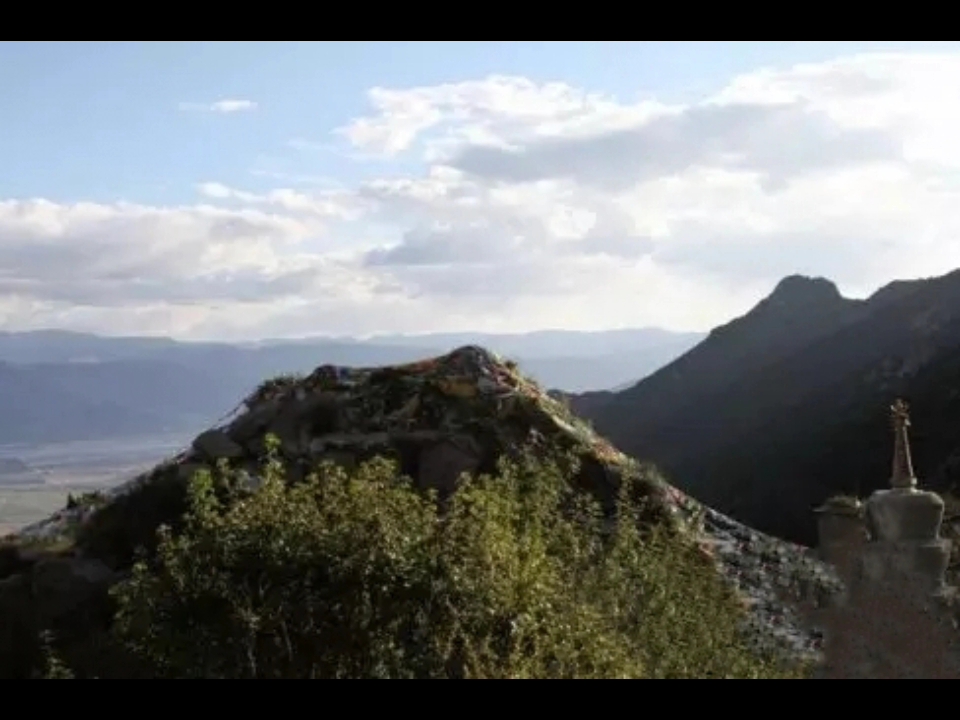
54, 667
275, 386
357, 575
116, 531
85, 500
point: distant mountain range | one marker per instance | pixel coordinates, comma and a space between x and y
787, 405
57, 385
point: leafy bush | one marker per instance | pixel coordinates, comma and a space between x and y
86, 500
54, 667
128, 523
358, 575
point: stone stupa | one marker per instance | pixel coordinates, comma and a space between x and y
896, 618
903, 522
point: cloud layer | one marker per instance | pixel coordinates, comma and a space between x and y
511, 205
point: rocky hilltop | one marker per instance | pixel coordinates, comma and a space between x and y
438, 418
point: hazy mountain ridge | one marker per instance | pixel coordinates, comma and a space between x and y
59, 385
787, 405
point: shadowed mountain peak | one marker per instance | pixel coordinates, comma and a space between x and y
783, 407
800, 290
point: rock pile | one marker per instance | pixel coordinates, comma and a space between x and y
437, 418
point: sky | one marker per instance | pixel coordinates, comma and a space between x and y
235, 191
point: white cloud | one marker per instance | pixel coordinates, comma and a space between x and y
220, 106
843, 168
535, 205
488, 112
337, 204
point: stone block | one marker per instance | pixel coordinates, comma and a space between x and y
216, 444
442, 465
841, 528
920, 565
904, 515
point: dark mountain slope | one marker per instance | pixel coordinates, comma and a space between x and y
785, 406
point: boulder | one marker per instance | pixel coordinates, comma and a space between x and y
905, 515
216, 444
442, 464
252, 423
321, 446
302, 418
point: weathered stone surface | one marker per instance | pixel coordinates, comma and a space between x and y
252, 424
842, 534
841, 529
442, 465
904, 515
322, 414
918, 564
886, 631
339, 441
300, 418
216, 444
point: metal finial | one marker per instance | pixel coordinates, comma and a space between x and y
903, 477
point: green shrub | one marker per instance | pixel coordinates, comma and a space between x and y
54, 667
93, 499
128, 523
358, 575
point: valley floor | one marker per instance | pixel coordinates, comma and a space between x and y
75, 467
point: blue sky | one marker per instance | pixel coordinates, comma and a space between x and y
362, 187
100, 121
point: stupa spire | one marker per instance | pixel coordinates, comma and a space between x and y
903, 477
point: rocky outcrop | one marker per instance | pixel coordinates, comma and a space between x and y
440, 419
215, 444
